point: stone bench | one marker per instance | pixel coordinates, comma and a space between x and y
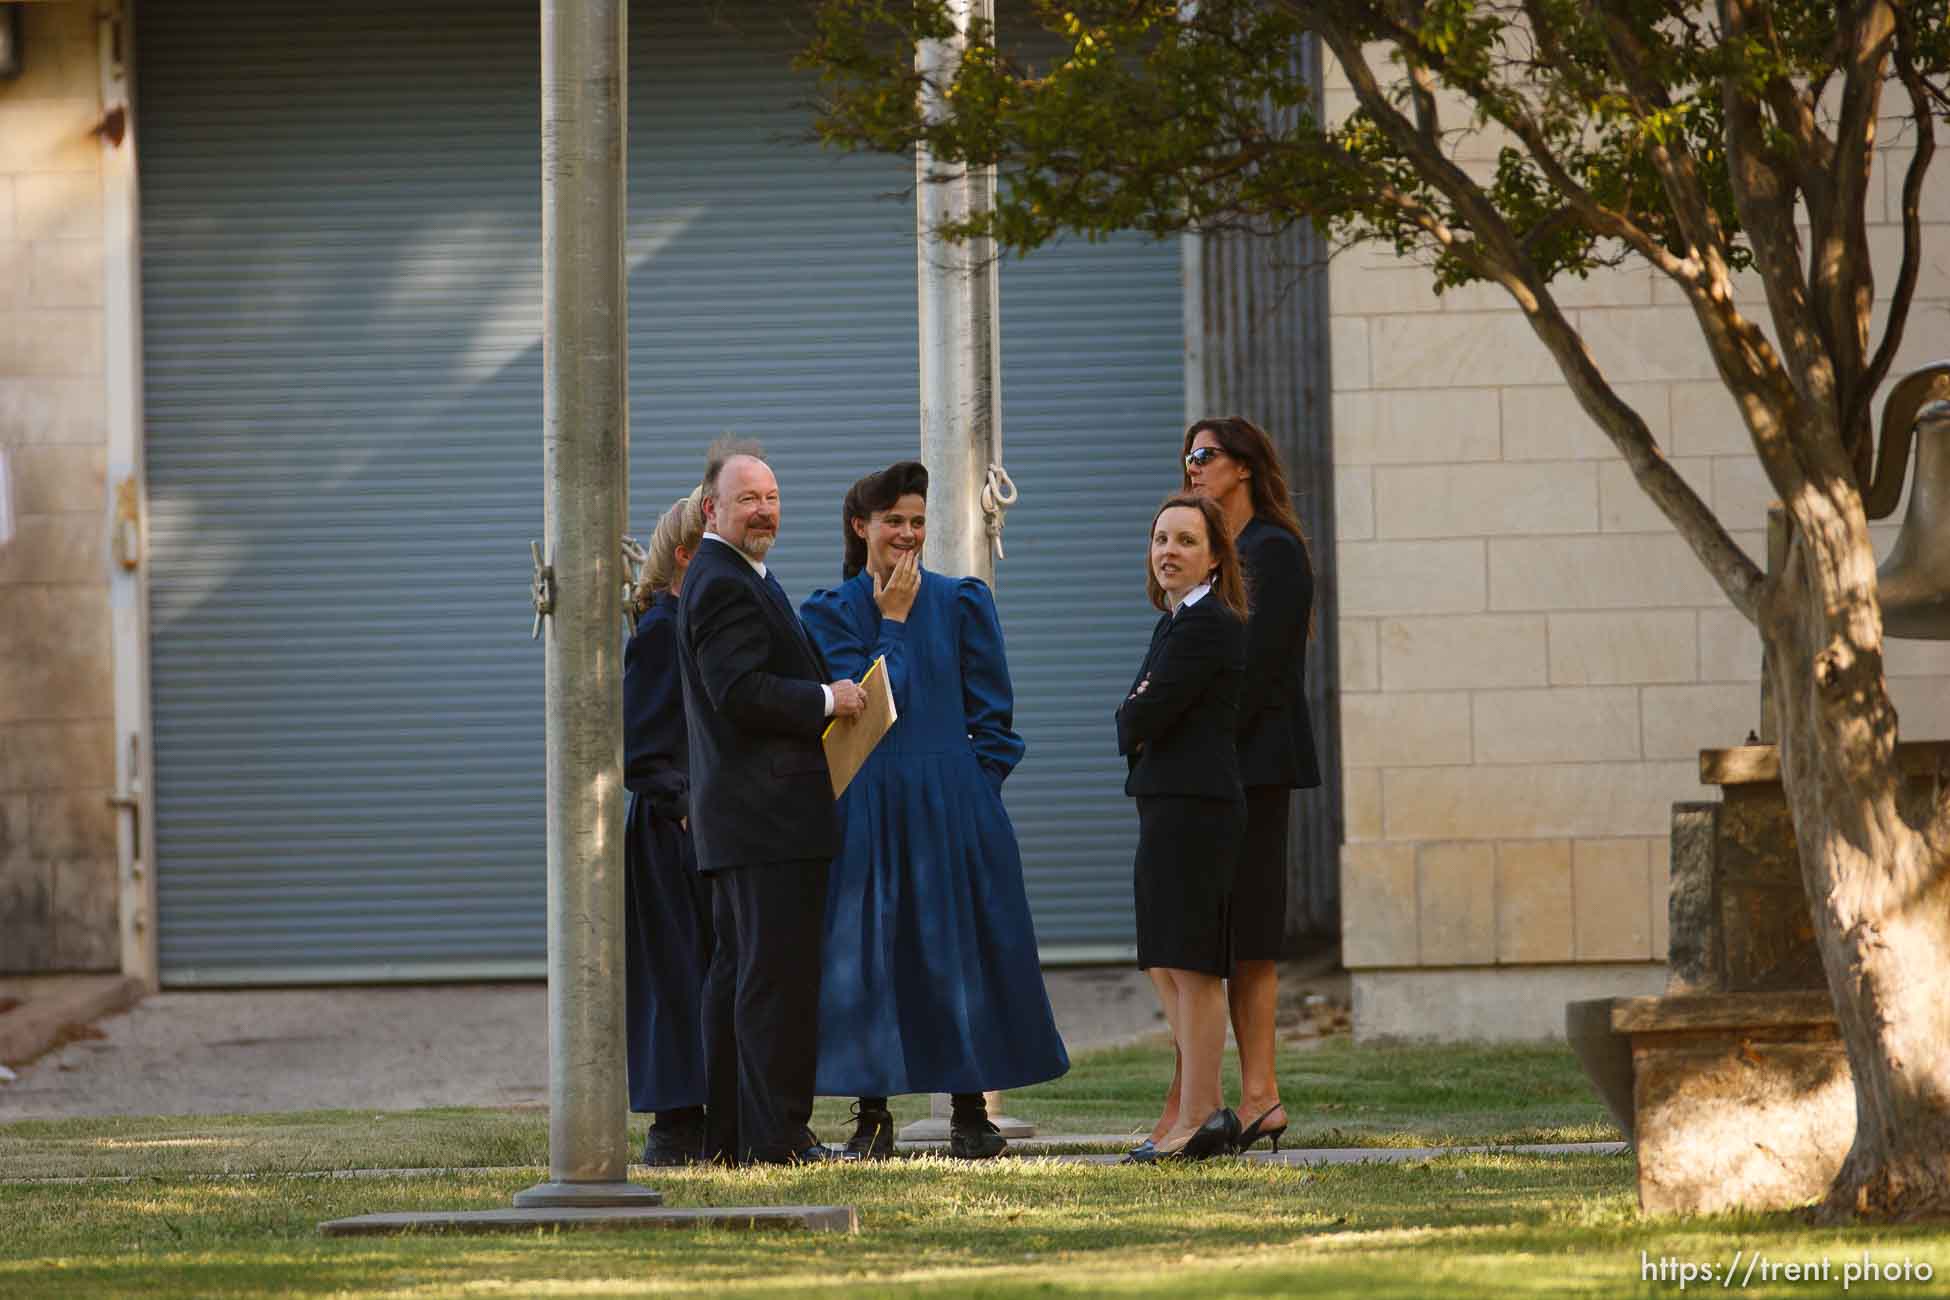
1734, 1088
1739, 1100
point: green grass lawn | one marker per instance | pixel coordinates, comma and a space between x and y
1337, 1095
212, 1206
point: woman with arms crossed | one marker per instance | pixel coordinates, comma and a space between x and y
930, 979
1232, 463
1176, 729
667, 928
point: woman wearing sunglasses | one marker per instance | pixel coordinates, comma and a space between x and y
1176, 729
1230, 462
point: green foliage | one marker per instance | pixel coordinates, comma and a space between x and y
1155, 116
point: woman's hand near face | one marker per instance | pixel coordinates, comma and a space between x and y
896, 594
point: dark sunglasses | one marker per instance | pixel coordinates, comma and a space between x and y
1204, 455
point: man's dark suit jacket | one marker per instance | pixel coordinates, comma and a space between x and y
1186, 718
759, 789
1276, 733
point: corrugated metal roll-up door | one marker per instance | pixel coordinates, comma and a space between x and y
341, 277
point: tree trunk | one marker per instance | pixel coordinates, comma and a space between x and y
1876, 883
1899, 1165
1885, 953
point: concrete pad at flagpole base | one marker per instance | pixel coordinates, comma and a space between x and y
561, 1195
935, 1127
790, 1218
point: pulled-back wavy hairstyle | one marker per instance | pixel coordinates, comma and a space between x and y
1228, 579
877, 491
682, 525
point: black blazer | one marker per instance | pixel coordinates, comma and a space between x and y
656, 756
1178, 732
755, 709
1276, 733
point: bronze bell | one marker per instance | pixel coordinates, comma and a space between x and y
1915, 577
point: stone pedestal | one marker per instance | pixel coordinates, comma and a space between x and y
1740, 1091
1739, 1100
1740, 921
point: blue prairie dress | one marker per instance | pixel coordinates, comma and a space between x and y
931, 981
667, 932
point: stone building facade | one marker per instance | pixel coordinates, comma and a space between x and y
58, 873
1531, 657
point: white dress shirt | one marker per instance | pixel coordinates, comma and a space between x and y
1191, 597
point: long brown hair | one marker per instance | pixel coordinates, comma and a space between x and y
1247, 443
1228, 582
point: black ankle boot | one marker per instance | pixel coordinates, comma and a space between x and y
677, 1138
971, 1134
873, 1130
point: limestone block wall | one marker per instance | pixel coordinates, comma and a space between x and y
1531, 658
57, 832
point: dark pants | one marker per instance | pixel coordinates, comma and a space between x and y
761, 1002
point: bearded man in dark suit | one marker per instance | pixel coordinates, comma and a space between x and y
756, 700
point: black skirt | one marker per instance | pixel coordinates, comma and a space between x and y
1259, 881
1183, 882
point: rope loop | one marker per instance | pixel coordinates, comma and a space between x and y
998, 494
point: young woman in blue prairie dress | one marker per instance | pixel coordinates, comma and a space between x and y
931, 980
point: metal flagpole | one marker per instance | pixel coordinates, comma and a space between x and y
961, 385
960, 371
585, 458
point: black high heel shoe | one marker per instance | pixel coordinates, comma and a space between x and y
1253, 1132
1217, 1136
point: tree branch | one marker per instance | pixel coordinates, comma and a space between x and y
1861, 397
1765, 201
1841, 271
1603, 220
1794, 113
1497, 250
1678, 169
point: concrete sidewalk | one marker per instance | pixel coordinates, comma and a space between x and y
390, 1048
1312, 1157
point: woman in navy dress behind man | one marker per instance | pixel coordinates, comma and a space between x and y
667, 930
930, 980
1177, 731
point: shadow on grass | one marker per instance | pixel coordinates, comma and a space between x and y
1336, 1094
1462, 1226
